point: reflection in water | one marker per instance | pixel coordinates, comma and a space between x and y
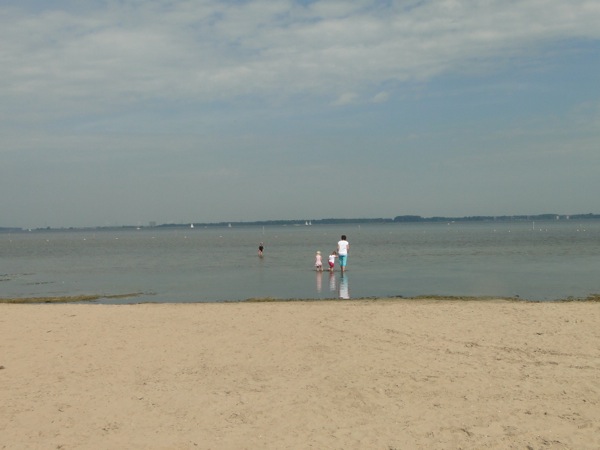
332, 282
319, 281
344, 290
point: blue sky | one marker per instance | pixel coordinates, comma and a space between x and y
126, 112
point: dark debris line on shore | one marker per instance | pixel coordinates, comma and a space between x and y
90, 298
65, 299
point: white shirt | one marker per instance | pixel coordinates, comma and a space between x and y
343, 247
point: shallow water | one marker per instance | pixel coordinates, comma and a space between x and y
541, 261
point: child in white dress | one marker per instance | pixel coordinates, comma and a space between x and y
318, 262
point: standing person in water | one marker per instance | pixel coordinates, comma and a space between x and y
343, 248
261, 247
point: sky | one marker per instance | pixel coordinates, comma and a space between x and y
126, 112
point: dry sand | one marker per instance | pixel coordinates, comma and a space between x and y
395, 374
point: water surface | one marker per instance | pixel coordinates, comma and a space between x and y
541, 261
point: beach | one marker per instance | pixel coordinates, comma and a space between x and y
365, 374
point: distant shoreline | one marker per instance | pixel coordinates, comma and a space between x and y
330, 221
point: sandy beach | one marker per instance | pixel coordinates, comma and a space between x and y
368, 374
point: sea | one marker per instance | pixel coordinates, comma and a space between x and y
541, 261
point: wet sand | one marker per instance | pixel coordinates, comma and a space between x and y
376, 374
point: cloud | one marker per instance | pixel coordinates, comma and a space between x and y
219, 51
346, 98
381, 97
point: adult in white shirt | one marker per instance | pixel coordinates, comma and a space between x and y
343, 248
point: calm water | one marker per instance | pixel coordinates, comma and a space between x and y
555, 260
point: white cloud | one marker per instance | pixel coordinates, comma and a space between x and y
346, 98
381, 97
213, 50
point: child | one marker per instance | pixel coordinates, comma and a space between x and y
332, 260
318, 262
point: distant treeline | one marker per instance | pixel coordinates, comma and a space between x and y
333, 221
520, 218
397, 219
